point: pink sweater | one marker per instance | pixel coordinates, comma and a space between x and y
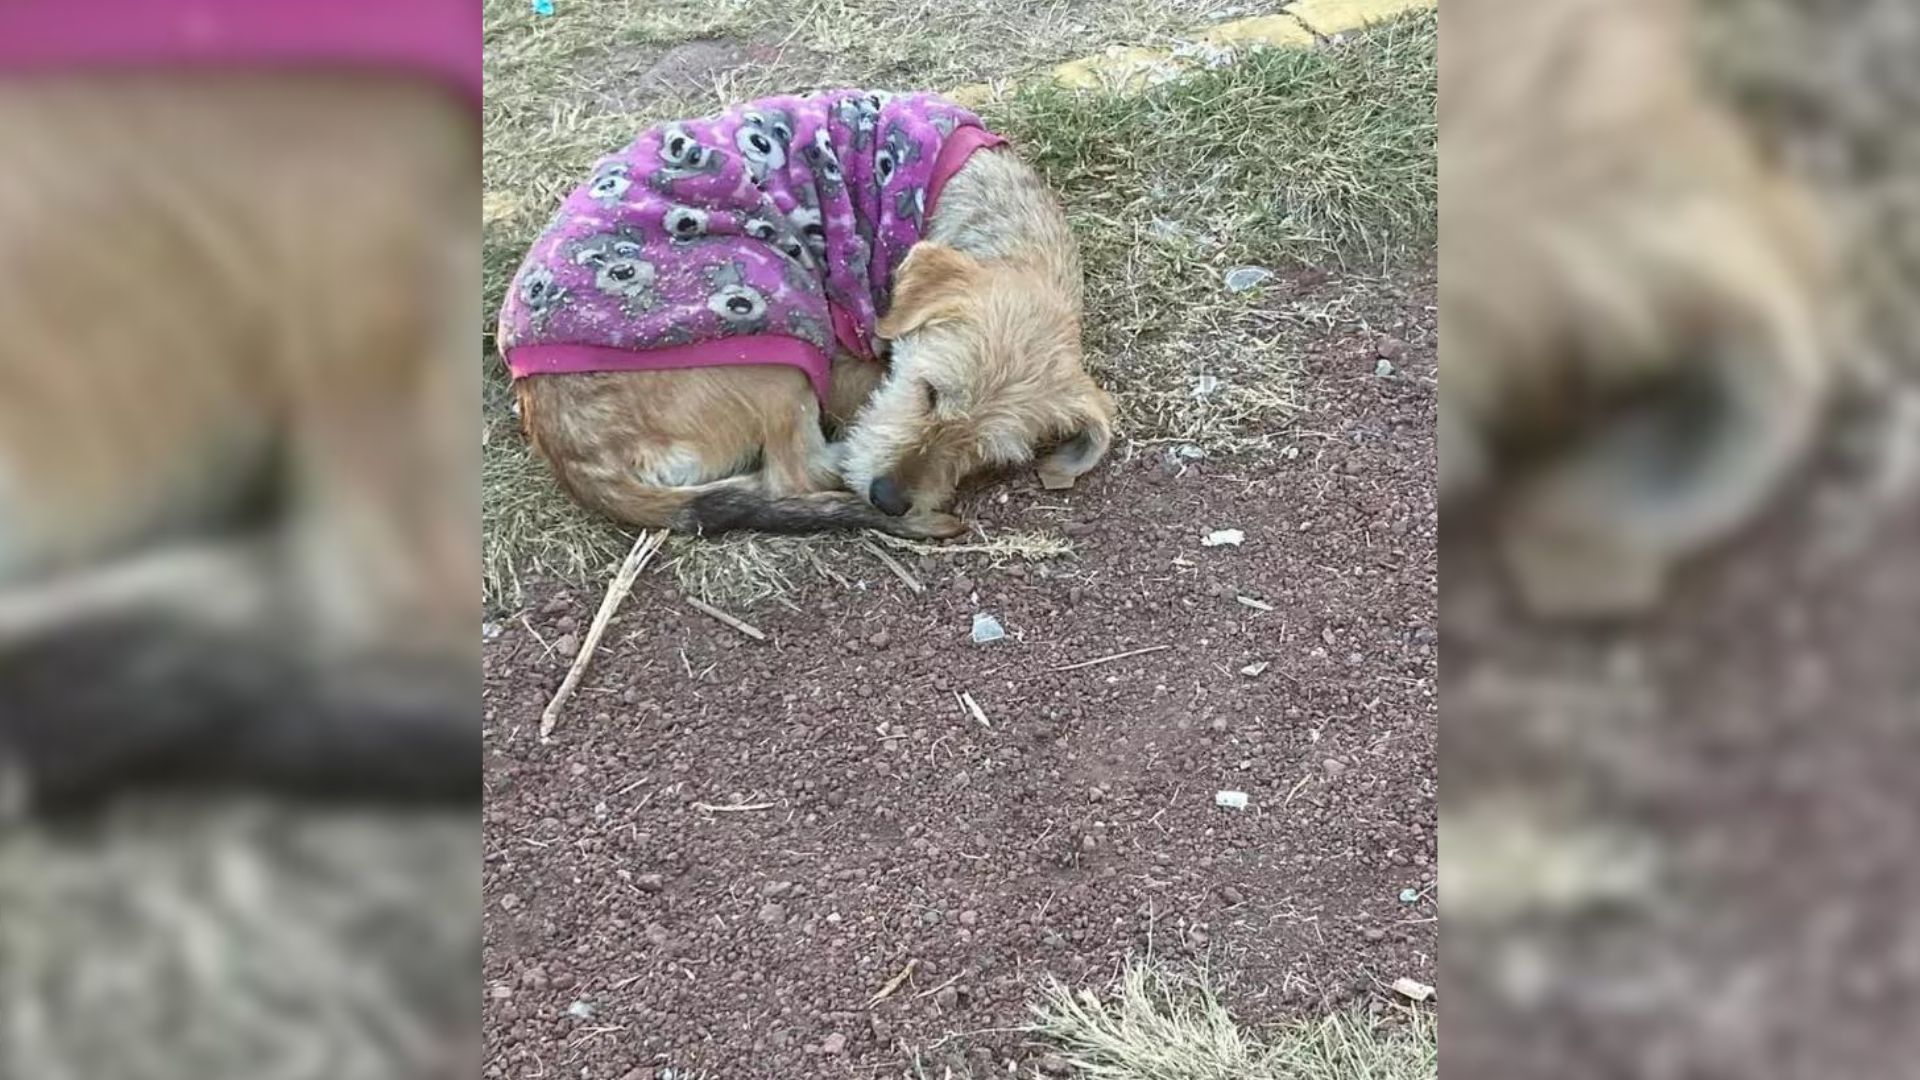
436, 38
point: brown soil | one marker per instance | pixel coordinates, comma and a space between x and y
879, 826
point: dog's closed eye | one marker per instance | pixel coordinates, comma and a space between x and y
933, 397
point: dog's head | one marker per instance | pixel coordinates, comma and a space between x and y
986, 371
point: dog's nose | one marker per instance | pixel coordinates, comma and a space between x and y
885, 494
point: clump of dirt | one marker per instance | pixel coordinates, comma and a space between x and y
731, 847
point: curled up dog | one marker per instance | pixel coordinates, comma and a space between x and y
723, 293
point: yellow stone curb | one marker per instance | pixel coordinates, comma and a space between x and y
1128, 69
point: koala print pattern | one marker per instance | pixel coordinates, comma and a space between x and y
781, 221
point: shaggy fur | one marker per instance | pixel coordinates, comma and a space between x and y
235, 419
985, 367
1632, 304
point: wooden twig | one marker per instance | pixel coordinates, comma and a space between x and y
972, 706
893, 984
1111, 659
937, 989
708, 609
893, 564
636, 561
732, 808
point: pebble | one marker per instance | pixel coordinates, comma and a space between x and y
948, 999
1334, 766
880, 640
568, 646
1374, 933
969, 918
835, 1043
1232, 895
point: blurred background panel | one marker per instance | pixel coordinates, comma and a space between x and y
239, 548
1678, 843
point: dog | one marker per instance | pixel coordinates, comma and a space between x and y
1634, 306
238, 495
720, 295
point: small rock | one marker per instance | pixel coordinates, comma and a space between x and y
1374, 933
1055, 1065
509, 902
986, 628
773, 914
1387, 347
580, 1010
948, 999
880, 640
1334, 766
963, 584
1204, 386
501, 992
1241, 278
835, 1043
1254, 669
969, 918
1232, 800
1232, 895
568, 646
777, 889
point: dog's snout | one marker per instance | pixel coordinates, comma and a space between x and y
885, 494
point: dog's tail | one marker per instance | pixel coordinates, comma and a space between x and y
741, 503
97, 709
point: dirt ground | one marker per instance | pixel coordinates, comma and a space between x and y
1752, 751
731, 846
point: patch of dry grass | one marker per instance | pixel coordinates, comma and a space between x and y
1282, 158
1159, 1025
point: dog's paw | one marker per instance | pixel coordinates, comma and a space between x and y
932, 526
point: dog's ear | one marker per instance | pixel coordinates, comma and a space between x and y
931, 286
1086, 443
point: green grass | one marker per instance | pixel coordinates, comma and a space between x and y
1159, 1025
1283, 158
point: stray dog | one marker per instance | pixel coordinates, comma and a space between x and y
1634, 308
238, 500
723, 289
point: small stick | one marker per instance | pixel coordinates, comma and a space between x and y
708, 609
643, 549
973, 707
937, 989
828, 571
1111, 659
732, 808
1257, 605
894, 565
893, 984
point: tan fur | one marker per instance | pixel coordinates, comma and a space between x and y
987, 363
643, 447
217, 289
1632, 304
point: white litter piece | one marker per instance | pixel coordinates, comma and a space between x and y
1252, 670
986, 628
1412, 988
1205, 385
1383, 367
1242, 278
580, 1010
1232, 800
1223, 538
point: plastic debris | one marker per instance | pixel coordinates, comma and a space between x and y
1205, 385
1383, 367
987, 628
580, 1010
1232, 800
1412, 988
1223, 538
1408, 896
1242, 278
1252, 670
543, 7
